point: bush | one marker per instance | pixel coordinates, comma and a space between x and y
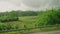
5, 26
7, 19
49, 17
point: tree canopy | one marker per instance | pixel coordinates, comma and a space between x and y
49, 17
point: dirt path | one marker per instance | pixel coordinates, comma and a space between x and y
49, 32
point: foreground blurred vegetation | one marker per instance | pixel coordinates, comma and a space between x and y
29, 19
13, 15
16, 19
49, 17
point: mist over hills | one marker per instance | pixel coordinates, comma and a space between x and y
6, 5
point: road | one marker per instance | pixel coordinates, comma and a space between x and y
48, 32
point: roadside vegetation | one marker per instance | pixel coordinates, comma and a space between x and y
30, 19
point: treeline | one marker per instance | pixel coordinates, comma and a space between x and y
14, 15
20, 13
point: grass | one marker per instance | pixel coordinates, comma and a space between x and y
29, 22
11, 33
32, 30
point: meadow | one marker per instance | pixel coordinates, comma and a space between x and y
29, 22
30, 19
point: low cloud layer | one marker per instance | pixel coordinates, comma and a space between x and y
6, 5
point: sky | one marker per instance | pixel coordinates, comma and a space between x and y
7, 5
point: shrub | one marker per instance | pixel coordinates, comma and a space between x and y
6, 26
7, 19
49, 17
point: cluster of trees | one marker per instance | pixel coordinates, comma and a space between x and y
9, 16
20, 13
49, 17
14, 15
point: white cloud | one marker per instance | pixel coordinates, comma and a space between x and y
5, 6
26, 4
8, 5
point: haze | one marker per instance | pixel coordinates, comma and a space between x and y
7, 5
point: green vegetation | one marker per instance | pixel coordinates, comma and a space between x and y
5, 26
29, 19
23, 21
49, 17
19, 13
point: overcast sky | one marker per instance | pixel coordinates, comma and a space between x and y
6, 5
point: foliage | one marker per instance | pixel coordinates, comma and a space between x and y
20, 13
49, 17
13, 15
5, 26
9, 17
